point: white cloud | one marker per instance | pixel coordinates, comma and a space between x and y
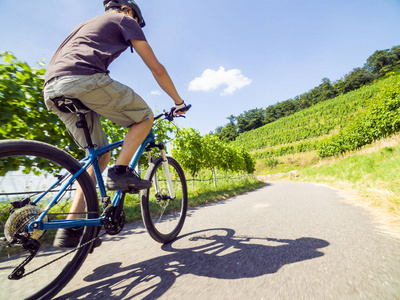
210, 80
155, 93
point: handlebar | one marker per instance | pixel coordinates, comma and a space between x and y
169, 115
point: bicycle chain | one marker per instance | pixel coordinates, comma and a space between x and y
58, 258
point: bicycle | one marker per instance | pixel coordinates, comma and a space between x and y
35, 214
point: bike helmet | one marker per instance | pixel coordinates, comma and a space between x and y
130, 3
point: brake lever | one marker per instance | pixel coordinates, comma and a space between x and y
169, 116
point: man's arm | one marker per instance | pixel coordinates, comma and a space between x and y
159, 72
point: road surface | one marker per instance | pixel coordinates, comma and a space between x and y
283, 241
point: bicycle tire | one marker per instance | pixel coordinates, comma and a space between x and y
34, 155
164, 219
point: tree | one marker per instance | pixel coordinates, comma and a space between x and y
383, 61
270, 114
326, 90
250, 119
188, 150
228, 132
354, 80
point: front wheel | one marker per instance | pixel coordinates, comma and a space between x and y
162, 214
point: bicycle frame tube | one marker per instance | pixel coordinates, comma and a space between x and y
51, 188
62, 190
87, 161
39, 224
91, 159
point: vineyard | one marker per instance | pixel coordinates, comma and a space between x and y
329, 127
332, 127
196, 153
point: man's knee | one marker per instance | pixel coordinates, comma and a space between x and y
148, 120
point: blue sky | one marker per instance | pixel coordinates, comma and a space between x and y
225, 57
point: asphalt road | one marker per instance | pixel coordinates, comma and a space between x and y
283, 241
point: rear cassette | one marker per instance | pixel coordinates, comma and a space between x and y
19, 220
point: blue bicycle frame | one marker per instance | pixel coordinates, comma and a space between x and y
91, 159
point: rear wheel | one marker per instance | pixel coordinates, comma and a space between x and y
162, 215
27, 170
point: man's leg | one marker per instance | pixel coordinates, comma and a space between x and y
78, 203
120, 177
70, 237
135, 136
121, 105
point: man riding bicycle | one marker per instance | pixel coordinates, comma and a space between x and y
79, 69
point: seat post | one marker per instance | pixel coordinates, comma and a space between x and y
82, 123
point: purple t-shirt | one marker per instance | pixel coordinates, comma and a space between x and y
93, 45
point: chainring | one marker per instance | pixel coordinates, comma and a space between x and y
112, 224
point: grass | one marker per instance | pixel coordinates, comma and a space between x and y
369, 176
205, 193
374, 177
374, 174
287, 163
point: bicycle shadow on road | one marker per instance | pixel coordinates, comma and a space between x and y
215, 253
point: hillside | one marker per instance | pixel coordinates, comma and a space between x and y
312, 128
380, 64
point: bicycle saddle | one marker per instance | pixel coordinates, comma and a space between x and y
70, 105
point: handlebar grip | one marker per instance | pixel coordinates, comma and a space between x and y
186, 108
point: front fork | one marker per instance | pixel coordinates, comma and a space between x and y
167, 175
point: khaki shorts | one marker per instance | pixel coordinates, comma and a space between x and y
104, 96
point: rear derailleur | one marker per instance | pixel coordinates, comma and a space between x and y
30, 245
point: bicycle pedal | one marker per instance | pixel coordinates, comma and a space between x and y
133, 191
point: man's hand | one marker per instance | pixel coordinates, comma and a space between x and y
177, 107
